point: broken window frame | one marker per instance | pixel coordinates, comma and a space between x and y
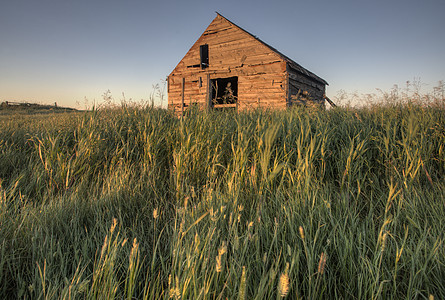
224, 92
204, 55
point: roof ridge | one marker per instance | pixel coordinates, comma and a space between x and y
293, 64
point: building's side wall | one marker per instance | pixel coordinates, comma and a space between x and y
304, 86
232, 52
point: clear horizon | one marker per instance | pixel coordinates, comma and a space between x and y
71, 52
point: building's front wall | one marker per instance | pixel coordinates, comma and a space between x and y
232, 52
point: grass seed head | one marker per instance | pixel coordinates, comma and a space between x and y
242, 292
384, 237
218, 264
249, 225
283, 287
322, 263
222, 249
301, 232
113, 226
155, 213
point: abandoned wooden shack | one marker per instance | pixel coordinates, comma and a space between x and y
229, 68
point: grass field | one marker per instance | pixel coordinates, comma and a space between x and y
134, 203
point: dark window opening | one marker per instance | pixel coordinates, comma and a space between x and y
224, 92
204, 54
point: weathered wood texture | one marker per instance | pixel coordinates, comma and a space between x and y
302, 89
265, 76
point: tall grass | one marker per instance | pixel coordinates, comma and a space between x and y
135, 203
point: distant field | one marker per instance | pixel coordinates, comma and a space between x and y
13, 108
135, 203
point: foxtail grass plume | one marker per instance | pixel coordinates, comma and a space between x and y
177, 291
249, 225
222, 249
218, 264
113, 226
242, 288
283, 286
322, 263
384, 237
301, 232
134, 249
284, 283
155, 213
104, 246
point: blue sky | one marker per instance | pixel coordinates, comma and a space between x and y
68, 51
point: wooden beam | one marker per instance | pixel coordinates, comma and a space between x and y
182, 96
209, 93
330, 101
224, 105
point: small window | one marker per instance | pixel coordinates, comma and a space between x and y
204, 53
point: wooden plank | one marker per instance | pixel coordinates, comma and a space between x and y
239, 51
261, 61
182, 98
226, 36
240, 45
208, 93
315, 92
263, 91
304, 79
224, 105
261, 84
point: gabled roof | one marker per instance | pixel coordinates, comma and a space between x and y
291, 63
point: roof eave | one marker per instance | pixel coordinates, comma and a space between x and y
288, 60
305, 72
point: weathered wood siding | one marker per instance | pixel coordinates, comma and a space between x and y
232, 52
266, 78
300, 83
